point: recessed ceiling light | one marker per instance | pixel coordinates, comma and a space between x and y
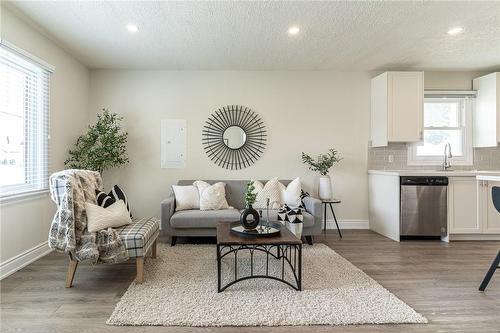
292, 31
132, 28
455, 31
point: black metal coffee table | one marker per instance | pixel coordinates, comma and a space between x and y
285, 247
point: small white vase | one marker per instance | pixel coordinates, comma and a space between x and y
325, 188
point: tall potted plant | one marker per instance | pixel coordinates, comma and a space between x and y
104, 146
323, 165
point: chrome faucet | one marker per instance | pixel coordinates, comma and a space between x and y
447, 156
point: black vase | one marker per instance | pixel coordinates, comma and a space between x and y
249, 223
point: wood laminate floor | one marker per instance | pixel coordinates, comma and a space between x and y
437, 279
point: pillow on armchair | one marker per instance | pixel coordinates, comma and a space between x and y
114, 216
105, 200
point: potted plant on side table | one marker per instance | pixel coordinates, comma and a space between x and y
323, 165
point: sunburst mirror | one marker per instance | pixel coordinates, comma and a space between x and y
234, 137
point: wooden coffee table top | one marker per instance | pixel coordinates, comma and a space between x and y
226, 237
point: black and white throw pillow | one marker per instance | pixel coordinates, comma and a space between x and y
292, 215
104, 200
116, 193
302, 196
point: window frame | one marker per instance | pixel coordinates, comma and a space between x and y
466, 115
36, 181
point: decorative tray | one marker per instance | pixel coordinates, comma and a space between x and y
272, 229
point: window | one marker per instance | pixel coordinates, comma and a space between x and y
24, 123
446, 120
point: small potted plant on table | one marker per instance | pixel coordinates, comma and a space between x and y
250, 197
323, 165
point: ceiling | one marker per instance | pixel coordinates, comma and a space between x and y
253, 35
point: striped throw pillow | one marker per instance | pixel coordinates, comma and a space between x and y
105, 200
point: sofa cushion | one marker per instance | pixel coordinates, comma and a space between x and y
212, 197
186, 197
189, 219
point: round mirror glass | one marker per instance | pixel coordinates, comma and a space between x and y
234, 137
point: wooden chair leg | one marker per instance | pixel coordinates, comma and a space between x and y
139, 261
73, 264
153, 250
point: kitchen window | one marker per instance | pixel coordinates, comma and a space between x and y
447, 119
24, 122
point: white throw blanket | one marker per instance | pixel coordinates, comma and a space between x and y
70, 189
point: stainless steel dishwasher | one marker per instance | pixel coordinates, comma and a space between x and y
424, 203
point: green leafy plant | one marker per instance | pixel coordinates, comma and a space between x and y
250, 194
324, 161
103, 147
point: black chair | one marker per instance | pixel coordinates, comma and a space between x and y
495, 195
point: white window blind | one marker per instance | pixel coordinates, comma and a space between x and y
24, 124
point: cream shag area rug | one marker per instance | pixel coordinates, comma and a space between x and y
180, 289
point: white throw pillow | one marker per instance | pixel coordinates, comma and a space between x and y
291, 195
273, 190
212, 197
186, 197
114, 216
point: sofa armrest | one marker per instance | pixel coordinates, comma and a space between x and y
167, 209
314, 207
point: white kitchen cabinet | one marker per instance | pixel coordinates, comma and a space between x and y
397, 103
488, 215
384, 204
487, 111
463, 206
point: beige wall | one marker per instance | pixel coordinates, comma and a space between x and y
450, 80
25, 223
303, 111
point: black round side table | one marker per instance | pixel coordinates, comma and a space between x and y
330, 203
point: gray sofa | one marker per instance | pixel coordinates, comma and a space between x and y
202, 223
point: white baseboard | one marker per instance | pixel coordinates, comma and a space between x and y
348, 224
24, 259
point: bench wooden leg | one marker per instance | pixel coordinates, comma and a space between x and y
139, 261
73, 264
153, 250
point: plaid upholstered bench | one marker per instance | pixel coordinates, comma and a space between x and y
139, 238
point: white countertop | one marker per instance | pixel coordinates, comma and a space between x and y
491, 175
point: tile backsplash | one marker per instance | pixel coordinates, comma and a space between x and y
379, 158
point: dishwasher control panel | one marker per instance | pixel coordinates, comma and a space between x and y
424, 181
